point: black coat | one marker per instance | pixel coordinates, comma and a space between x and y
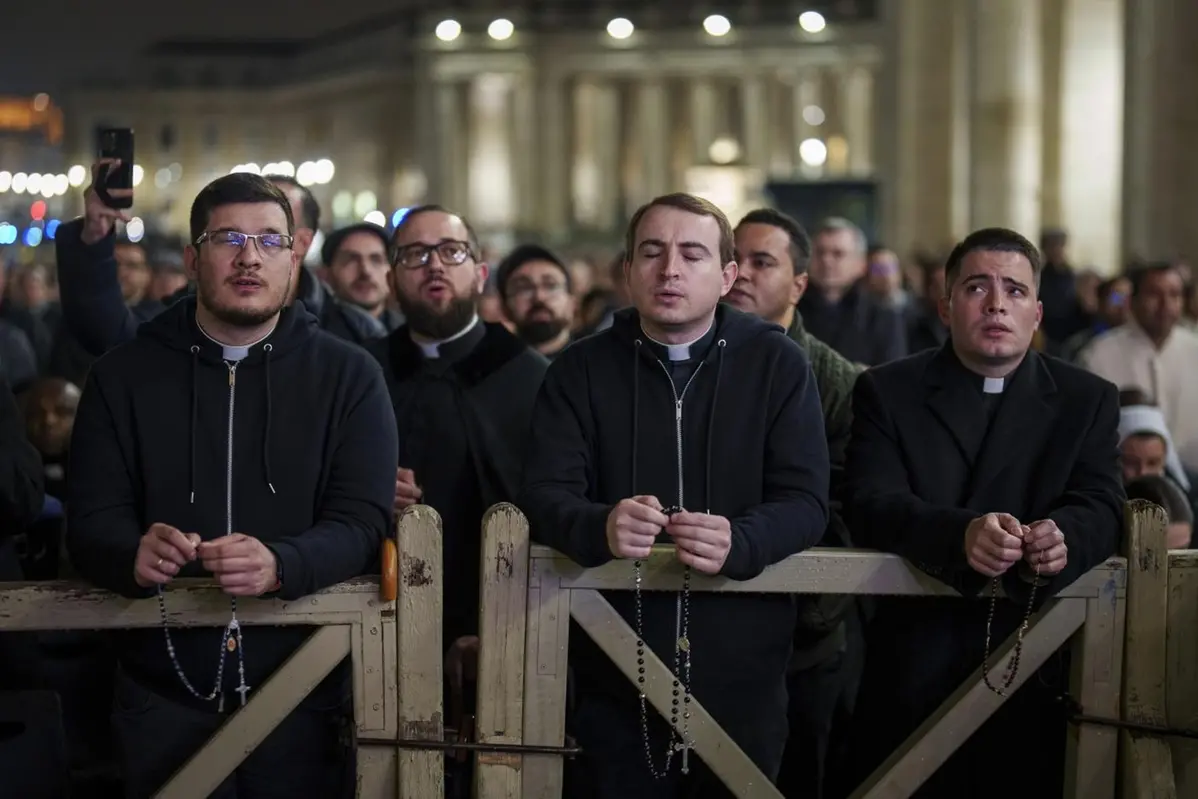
859, 327
746, 442
1051, 452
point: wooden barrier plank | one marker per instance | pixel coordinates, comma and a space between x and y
816, 571
617, 639
503, 618
960, 716
420, 652
268, 706
1147, 762
1096, 681
1182, 676
546, 643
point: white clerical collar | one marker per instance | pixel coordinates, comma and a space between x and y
433, 348
993, 385
234, 352
678, 352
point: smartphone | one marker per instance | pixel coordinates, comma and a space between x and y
116, 143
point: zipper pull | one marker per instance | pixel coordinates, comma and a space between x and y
678, 411
232, 375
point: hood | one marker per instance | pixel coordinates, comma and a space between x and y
732, 327
177, 329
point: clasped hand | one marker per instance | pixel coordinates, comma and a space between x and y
703, 540
997, 541
241, 564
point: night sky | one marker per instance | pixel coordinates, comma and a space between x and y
47, 42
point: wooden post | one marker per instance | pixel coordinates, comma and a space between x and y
1182, 675
1147, 762
545, 653
420, 652
503, 617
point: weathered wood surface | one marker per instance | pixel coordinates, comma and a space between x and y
1147, 761
1181, 680
817, 571
503, 618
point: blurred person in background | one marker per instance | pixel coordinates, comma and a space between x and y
169, 277
1154, 353
884, 277
1063, 313
1113, 310
27, 303
538, 298
925, 328
838, 310
356, 267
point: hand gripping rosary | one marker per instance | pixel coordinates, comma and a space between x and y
1013, 666
230, 642
682, 675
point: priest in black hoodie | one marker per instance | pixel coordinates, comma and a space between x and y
682, 403
231, 439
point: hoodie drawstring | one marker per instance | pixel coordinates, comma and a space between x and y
636, 397
267, 349
191, 472
715, 395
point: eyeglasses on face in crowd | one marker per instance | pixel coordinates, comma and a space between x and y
524, 289
268, 243
449, 252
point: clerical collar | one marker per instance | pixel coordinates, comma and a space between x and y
445, 347
234, 352
993, 385
682, 352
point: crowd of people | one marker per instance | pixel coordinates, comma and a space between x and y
741, 392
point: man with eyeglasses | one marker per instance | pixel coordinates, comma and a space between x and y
94, 309
463, 392
535, 287
230, 440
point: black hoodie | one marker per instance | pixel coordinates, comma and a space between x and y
746, 441
296, 447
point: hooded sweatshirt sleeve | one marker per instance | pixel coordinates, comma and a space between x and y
103, 526
93, 307
794, 513
557, 468
356, 506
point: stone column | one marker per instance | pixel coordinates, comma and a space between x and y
596, 158
755, 121
451, 168
490, 161
1089, 125
930, 105
653, 138
703, 107
1160, 172
1005, 137
857, 91
551, 134
522, 123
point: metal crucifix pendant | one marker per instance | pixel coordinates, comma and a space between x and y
243, 690
683, 747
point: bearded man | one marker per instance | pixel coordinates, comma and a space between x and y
535, 287
463, 391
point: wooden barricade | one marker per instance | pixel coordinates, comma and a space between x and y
390, 629
1160, 691
522, 697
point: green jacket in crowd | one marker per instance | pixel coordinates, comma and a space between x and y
835, 376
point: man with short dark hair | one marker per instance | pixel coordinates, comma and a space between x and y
691, 423
982, 463
1155, 353
356, 266
235, 440
537, 297
772, 251
94, 311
